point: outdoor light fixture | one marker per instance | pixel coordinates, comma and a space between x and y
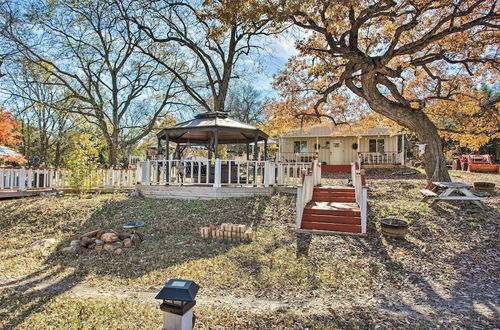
178, 301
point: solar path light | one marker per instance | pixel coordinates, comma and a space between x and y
178, 301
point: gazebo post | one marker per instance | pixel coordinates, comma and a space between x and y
167, 157
216, 144
265, 149
256, 148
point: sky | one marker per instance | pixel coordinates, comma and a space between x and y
268, 62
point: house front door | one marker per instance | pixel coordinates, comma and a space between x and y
336, 152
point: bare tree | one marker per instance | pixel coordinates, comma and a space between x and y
90, 52
43, 110
211, 36
245, 104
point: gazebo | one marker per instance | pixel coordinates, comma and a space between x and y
175, 176
211, 130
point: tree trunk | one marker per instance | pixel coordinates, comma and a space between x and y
113, 155
413, 119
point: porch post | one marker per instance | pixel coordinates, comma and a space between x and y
403, 153
248, 151
359, 148
280, 141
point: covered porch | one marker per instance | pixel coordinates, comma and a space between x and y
371, 148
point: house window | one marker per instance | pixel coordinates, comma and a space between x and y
300, 146
376, 145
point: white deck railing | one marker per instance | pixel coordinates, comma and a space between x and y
48, 178
378, 158
220, 172
306, 189
358, 178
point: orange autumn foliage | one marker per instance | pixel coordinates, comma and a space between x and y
9, 135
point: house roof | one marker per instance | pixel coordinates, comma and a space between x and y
342, 130
201, 129
4, 151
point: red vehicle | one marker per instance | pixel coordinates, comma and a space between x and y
475, 163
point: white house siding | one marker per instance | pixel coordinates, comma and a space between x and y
349, 154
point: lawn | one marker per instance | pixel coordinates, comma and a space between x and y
444, 274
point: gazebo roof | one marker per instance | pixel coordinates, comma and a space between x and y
202, 129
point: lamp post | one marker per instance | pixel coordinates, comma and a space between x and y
178, 302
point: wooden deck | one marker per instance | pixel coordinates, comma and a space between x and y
5, 194
201, 192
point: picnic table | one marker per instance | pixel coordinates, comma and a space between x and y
451, 191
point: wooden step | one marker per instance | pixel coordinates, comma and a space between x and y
331, 219
332, 208
332, 189
339, 194
348, 228
335, 199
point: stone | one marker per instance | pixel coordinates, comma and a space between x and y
91, 233
134, 194
75, 242
99, 233
91, 246
127, 242
69, 249
98, 247
136, 239
109, 237
43, 244
85, 241
118, 251
99, 242
112, 246
124, 235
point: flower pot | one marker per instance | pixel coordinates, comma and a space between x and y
488, 187
394, 227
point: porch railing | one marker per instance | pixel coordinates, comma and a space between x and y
376, 158
297, 157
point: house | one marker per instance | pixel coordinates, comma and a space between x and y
339, 146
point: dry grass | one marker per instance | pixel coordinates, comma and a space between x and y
446, 270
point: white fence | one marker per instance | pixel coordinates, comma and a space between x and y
46, 178
220, 172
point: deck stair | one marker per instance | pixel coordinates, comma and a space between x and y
332, 209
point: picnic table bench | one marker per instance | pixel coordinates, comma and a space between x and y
449, 188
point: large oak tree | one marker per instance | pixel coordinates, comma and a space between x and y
399, 56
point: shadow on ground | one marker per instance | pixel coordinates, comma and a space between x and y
171, 237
